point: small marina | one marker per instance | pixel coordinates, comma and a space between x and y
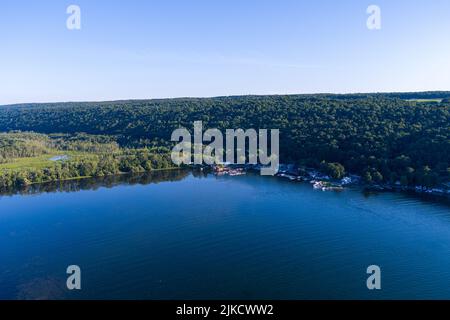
322, 182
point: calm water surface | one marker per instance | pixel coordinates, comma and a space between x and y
182, 236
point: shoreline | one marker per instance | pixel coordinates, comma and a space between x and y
323, 182
80, 178
320, 183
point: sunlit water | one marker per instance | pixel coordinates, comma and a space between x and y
180, 236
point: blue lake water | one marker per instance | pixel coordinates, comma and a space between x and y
180, 235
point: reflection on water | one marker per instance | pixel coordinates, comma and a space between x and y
174, 175
100, 182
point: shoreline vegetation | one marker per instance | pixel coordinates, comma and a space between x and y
29, 158
320, 180
317, 180
386, 141
93, 183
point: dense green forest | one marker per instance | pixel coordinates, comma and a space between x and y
382, 137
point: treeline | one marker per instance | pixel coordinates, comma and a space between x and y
86, 143
419, 95
98, 182
20, 145
382, 137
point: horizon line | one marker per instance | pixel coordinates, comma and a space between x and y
225, 96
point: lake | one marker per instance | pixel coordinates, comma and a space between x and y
185, 235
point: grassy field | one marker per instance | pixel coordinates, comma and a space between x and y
43, 161
426, 100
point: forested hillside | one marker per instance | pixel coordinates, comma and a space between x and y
384, 137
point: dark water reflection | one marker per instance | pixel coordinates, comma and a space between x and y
100, 182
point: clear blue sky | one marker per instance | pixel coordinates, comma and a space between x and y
154, 49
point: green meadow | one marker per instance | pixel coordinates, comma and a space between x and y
43, 161
426, 100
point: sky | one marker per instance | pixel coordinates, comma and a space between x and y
139, 49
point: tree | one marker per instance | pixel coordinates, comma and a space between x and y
335, 170
377, 177
367, 177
